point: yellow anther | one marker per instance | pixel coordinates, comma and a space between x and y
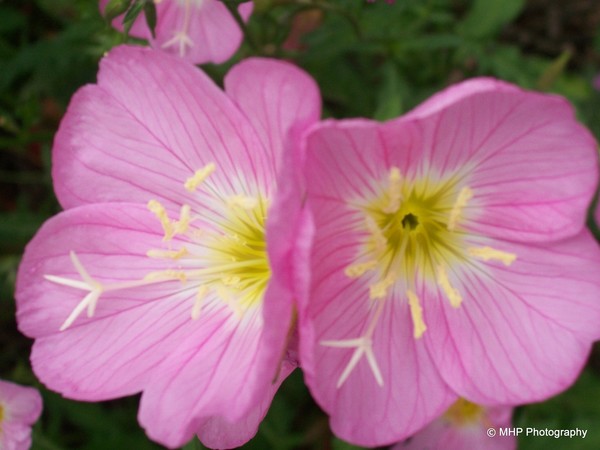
379, 240
242, 202
199, 176
489, 253
394, 191
166, 275
356, 270
417, 314
463, 198
181, 226
379, 290
159, 211
451, 292
231, 280
167, 254
199, 302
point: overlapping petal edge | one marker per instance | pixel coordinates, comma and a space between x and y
146, 127
510, 320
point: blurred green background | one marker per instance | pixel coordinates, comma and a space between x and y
371, 59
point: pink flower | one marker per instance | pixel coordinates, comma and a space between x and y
464, 425
20, 408
198, 30
164, 274
450, 259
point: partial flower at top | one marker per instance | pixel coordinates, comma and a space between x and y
20, 408
464, 425
199, 31
168, 272
449, 259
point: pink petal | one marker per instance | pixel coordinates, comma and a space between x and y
21, 408
218, 433
531, 166
523, 332
362, 411
149, 124
224, 374
277, 98
456, 93
112, 353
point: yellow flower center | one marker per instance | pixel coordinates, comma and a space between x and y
463, 412
413, 235
226, 259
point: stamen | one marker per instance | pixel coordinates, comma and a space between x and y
159, 211
463, 198
358, 269
379, 289
199, 176
379, 239
95, 289
417, 314
242, 201
394, 191
199, 302
489, 253
451, 292
183, 223
167, 254
165, 275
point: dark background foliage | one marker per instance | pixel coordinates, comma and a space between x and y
372, 59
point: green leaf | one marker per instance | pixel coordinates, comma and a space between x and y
487, 17
389, 99
115, 8
132, 14
150, 14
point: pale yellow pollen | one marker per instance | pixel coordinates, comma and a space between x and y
358, 269
231, 280
199, 176
166, 275
379, 289
167, 254
379, 239
182, 225
416, 313
451, 292
463, 198
199, 302
489, 253
242, 202
394, 191
171, 228
160, 212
